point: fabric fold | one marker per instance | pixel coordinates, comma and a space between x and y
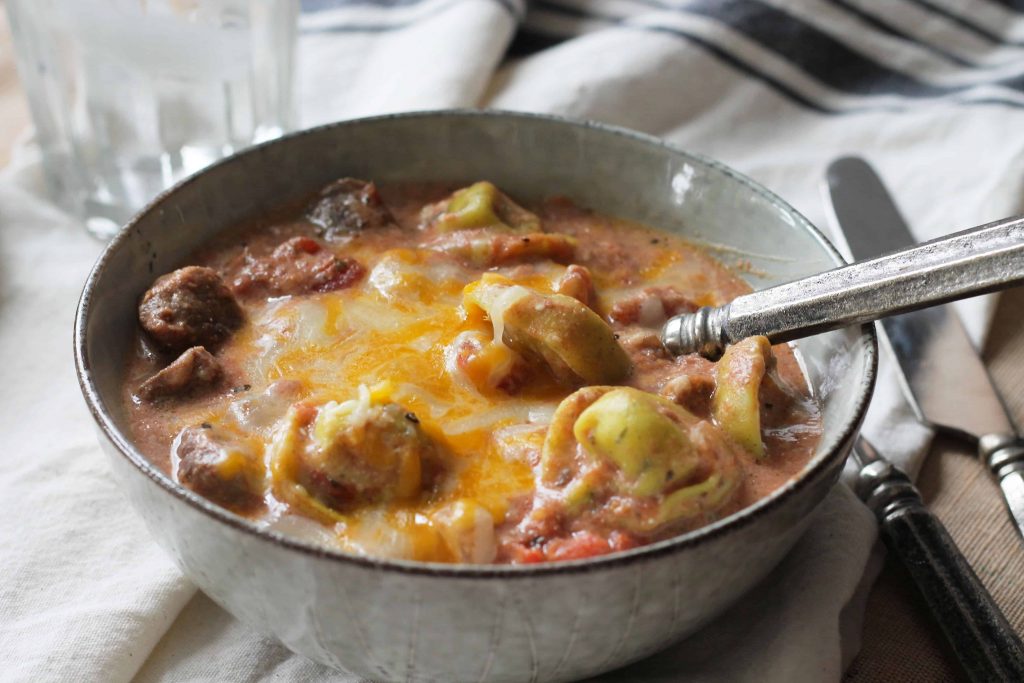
86, 595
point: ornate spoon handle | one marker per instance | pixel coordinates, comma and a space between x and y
968, 263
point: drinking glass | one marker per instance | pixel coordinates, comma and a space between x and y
130, 96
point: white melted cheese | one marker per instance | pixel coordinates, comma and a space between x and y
495, 304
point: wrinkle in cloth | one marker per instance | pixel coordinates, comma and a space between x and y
931, 102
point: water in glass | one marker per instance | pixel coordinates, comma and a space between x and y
130, 96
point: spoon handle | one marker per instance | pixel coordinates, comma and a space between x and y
967, 263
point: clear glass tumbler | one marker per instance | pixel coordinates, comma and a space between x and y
130, 96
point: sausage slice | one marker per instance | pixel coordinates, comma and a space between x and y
349, 205
195, 369
189, 307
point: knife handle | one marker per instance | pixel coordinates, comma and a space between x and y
984, 642
1004, 455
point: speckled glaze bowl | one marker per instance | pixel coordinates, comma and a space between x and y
431, 622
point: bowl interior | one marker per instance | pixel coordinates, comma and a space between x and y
531, 157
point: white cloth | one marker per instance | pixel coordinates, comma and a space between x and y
930, 93
84, 594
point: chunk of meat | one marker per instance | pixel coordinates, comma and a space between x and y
300, 265
577, 283
193, 370
220, 466
691, 391
189, 307
349, 205
650, 307
485, 248
640, 340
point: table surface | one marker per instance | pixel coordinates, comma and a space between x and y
900, 642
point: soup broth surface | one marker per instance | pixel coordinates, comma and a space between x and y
442, 374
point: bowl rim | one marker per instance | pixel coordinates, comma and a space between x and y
704, 534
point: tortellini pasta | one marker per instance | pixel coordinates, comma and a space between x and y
735, 405
646, 462
482, 205
338, 456
553, 330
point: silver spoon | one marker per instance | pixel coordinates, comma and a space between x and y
975, 261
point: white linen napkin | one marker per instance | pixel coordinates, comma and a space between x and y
931, 93
84, 594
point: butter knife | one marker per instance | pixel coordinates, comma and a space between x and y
946, 382
985, 644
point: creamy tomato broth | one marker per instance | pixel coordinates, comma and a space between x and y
444, 375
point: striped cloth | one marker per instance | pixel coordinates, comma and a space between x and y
930, 91
831, 56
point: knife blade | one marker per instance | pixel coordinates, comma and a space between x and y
943, 376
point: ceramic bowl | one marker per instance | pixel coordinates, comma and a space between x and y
391, 620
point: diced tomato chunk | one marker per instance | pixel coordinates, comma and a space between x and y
532, 555
619, 541
306, 244
583, 544
524, 554
337, 273
578, 546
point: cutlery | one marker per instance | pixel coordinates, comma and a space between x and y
948, 386
967, 263
984, 642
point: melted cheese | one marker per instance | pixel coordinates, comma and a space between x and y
392, 331
496, 303
397, 330
398, 333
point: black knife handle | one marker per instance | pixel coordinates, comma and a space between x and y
1004, 455
984, 642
